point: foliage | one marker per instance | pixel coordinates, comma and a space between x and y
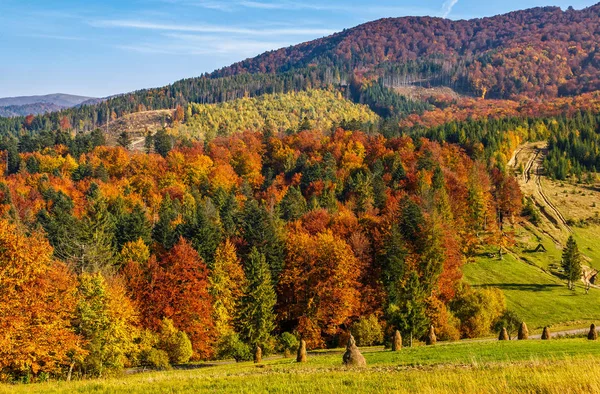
367, 331
106, 319
288, 343
231, 346
477, 309
318, 109
257, 318
175, 343
571, 262
509, 320
38, 302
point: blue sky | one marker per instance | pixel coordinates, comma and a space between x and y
99, 48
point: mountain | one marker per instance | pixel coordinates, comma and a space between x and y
536, 53
25, 105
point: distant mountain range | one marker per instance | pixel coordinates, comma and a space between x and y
26, 105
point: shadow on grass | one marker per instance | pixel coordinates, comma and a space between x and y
521, 286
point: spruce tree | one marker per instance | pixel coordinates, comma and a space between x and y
408, 311
257, 317
164, 232
571, 262
293, 204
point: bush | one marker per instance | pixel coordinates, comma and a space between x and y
175, 343
477, 309
155, 358
231, 346
367, 331
288, 343
509, 320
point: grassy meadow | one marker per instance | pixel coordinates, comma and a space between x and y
533, 366
539, 298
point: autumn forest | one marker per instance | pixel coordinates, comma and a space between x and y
332, 188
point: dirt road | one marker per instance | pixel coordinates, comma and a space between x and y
530, 158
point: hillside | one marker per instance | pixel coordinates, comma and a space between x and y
313, 109
540, 52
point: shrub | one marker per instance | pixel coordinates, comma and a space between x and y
477, 310
509, 320
288, 343
175, 343
231, 346
367, 331
155, 358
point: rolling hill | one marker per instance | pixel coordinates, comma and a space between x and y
25, 105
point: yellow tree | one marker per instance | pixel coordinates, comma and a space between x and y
38, 303
227, 283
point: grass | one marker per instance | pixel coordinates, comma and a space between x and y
588, 240
555, 366
538, 297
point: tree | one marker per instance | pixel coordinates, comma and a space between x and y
163, 142
174, 342
367, 331
571, 262
408, 312
261, 229
175, 287
89, 244
227, 286
124, 140
319, 287
38, 303
509, 320
165, 231
257, 317
106, 319
293, 205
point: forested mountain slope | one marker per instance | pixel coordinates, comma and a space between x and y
540, 52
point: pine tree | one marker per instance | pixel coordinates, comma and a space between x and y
164, 232
262, 230
293, 204
408, 312
571, 262
257, 318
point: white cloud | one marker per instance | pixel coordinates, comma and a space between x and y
191, 44
136, 24
447, 7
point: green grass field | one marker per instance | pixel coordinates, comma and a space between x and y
538, 297
534, 366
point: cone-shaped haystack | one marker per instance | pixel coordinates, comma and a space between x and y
523, 332
258, 355
546, 333
593, 334
431, 338
353, 357
302, 357
503, 335
396, 341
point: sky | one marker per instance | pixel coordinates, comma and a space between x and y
100, 48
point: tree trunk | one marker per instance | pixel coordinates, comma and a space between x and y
70, 371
